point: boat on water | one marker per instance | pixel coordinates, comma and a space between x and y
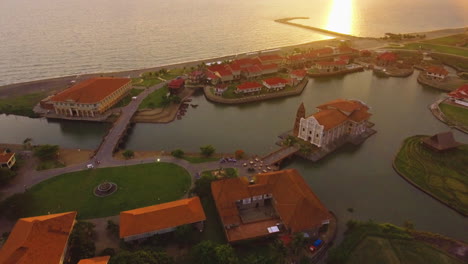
194, 105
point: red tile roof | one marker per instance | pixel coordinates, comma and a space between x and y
271, 57
296, 57
224, 72
460, 93
336, 112
211, 76
5, 157
298, 207
176, 83
249, 85
254, 69
437, 70
234, 66
244, 62
40, 239
92, 90
268, 66
276, 81
216, 67
387, 56
300, 73
161, 216
96, 260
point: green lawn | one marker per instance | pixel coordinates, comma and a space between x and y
455, 114
138, 186
128, 98
436, 48
21, 105
369, 243
449, 41
154, 99
444, 175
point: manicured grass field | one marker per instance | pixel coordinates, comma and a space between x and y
444, 175
154, 99
138, 186
21, 105
455, 114
369, 243
449, 41
436, 48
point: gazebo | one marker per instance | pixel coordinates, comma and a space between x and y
441, 142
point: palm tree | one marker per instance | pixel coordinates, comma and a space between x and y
27, 143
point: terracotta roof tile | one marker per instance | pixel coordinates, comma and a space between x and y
161, 216
437, 70
344, 105
254, 69
335, 112
41, 238
96, 260
269, 66
271, 57
5, 157
176, 83
387, 56
92, 90
460, 93
330, 118
298, 207
276, 81
249, 85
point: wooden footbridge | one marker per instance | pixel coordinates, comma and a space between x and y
276, 157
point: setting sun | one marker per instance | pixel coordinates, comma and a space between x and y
340, 18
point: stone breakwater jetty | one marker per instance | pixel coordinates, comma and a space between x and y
321, 30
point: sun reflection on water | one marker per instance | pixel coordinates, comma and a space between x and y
340, 18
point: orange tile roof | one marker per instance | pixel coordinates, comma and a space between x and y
330, 118
161, 216
248, 85
276, 81
437, 70
96, 260
460, 93
37, 238
5, 157
297, 206
92, 90
343, 105
300, 73
335, 112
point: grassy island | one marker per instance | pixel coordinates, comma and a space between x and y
388, 244
138, 186
21, 105
442, 175
455, 114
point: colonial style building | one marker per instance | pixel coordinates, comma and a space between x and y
91, 97
7, 159
159, 219
275, 83
386, 59
196, 77
285, 200
330, 66
39, 239
220, 89
176, 86
334, 120
460, 95
249, 87
436, 73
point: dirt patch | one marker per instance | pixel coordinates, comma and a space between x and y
74, 156
453, 247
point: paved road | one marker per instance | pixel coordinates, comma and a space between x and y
110, 141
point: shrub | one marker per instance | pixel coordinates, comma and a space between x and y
6, 175
128, 154
207, 150
46, 152
112, 229
239, 154
178, 153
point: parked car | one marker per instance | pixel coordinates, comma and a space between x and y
315, 245
90, 166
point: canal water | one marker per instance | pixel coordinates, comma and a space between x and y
360, 177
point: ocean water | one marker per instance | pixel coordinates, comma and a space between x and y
51, 38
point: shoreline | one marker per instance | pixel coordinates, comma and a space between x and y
52, 84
